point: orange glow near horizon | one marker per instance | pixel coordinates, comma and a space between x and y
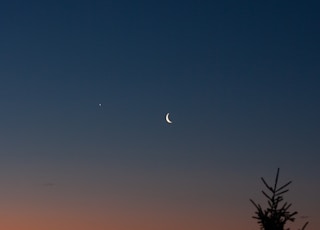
84, 216
47, 212
25, 221
124, 218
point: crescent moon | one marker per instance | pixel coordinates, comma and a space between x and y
168, 119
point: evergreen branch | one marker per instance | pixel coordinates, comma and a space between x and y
305, 225
280, 193
265, 183
276, 181
266, 195
283, 186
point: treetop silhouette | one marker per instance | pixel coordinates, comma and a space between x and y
276, 215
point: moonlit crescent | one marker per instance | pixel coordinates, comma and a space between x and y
167, 118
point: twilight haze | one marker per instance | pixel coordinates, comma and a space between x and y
85, 88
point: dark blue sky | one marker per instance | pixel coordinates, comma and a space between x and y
241, 81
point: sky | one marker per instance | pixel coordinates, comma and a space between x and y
239, 79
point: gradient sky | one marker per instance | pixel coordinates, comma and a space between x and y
240, 80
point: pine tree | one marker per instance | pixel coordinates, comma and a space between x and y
276, 215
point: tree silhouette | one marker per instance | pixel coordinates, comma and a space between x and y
276, 215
